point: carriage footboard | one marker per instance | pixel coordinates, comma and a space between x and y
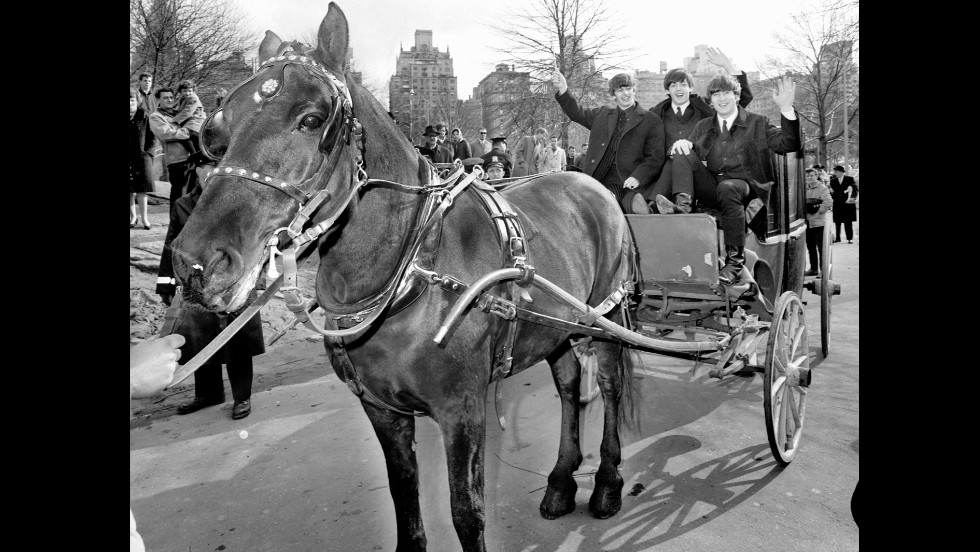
612, 329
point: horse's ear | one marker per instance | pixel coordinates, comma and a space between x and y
332, 39
270, 45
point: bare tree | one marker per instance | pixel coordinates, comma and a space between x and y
577, 37
186, 39
821, 49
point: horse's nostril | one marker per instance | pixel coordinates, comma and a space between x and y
223, 265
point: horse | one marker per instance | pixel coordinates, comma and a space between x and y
298, 129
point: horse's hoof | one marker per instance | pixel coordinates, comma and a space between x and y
606, 501
558, 503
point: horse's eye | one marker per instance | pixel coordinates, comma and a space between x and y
312, 121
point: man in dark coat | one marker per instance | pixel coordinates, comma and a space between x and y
735, 148
498, 154
200, 327
682, 109
626, 142
844, 191
432, 149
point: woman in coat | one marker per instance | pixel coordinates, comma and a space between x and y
844, 192
142, 146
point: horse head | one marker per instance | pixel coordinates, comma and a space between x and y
283, 138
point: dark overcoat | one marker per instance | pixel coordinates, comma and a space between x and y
142, 144
641, 149
200, 327
843, 211
755, 140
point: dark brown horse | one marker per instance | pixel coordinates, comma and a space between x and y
287, 133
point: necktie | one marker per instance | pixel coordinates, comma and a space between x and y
679, 112
724, 129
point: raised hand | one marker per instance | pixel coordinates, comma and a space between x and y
716, 56
558, 80
785, 93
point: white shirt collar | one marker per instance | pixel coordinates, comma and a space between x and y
683, 106
731, 120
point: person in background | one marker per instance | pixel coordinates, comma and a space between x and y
190, 112
495, 170
844, 191
580, 158
461, 148
143, 146
570, 157
443, 131
498, 154
818, 202
435, 152
551, 158
626, 142
177, 146
222, 92
145, 95
481, 145
526, 153
200, 327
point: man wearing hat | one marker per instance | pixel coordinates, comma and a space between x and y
432, 150
495, 170
626, 142
498, 154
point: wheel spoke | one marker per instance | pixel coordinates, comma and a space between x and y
781, 417
776, 386
794, 409
797, 338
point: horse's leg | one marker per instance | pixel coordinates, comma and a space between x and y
464, 435
396, 433
607, 496
559, 498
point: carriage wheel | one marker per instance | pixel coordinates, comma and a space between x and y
826, 290
787, 375
589, 384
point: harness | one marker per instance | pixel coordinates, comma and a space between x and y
414, 271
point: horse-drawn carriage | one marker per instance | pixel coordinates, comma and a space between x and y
435, 286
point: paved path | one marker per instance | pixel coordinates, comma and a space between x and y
309, 473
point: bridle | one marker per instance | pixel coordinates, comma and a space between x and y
440, 194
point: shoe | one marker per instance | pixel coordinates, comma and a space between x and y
666, 206
638, 205
836, 240
849, 241
199, 403
146, 226
241, 409
811, 272
734, 263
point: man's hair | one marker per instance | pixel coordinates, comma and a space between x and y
133, 94
162, 90
440, 126
678, 75
840, 168
483, 130
620, 80
809, 171
540, 130
187, 83
144, 75
455, 130
724, 83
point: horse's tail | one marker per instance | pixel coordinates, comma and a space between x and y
629, 397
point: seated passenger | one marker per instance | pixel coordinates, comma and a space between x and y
495, 170
680, 112
717, 149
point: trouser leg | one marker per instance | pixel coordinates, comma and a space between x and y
207, 381
611, 182
849, 229
240, 376
663, 186
814, 237
732, 195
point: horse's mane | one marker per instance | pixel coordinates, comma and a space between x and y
388, 153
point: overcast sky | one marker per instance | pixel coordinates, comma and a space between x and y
743, 30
